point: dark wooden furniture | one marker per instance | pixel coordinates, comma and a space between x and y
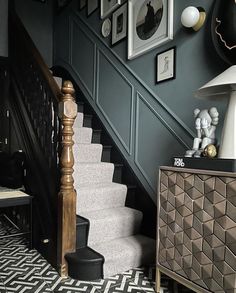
197, 229
15, 214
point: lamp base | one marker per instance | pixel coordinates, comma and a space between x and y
216, 164
227, 148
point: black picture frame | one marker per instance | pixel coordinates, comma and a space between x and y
117, 37
166, 65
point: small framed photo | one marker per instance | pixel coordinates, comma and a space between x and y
150, 25
107, 6
165, 65
92, 5
119, 24
82, 4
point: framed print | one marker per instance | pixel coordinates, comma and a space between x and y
119, 24
165, 65
150, 25
92, 5
107, 6
82, 4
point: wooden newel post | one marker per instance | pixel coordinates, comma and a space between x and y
67, 194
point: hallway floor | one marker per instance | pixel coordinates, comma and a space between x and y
24, 270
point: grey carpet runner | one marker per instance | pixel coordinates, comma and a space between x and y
114, 228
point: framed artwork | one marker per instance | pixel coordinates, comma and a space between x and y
92, 5
119, 24
107, 6
165, 65
82, 4
150, 25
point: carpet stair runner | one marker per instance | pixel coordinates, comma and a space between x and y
113, 243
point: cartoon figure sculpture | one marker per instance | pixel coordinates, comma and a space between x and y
205, 124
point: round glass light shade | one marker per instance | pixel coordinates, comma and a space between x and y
190, 16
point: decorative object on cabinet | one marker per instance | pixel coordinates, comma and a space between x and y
193, 17
205, 163
92, 5
223, 30
119, 24
107, 6
82, 4
196, 229
106, 28
165, 65
224, 85
150, 24
205, 124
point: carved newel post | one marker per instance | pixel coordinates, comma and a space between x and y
67, 194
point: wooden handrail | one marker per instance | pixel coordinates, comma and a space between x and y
67, 194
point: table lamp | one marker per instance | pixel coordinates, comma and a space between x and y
224, 85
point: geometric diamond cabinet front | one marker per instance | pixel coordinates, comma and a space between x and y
197, 227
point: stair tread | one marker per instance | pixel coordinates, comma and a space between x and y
134, 244
101, 185
110, 214
94, 164
85, 254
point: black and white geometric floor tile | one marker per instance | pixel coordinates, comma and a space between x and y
26, 271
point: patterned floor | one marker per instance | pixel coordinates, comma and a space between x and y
23, 270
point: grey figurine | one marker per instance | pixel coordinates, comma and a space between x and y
205, 124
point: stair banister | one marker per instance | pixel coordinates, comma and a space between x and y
40, 103
67, 194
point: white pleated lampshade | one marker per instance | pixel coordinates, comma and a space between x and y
221, 84
224, 85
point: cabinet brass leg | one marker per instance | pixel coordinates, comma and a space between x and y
158, 281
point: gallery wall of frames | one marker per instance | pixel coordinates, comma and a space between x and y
145, 24
138, 67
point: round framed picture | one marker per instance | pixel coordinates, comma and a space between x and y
106, 28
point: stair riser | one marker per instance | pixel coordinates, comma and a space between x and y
89, 153
79, 120
100, 199
96, 138
113, 267
81, 236
88, 121
82, 135
117, 177
86, 271
88, 173
109, 229
80, 107
106, 154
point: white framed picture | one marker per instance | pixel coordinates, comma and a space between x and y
150, 25
92, 5
165, 65
107, 6
119, 24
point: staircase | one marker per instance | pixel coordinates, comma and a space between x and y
108, 232
111, 229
